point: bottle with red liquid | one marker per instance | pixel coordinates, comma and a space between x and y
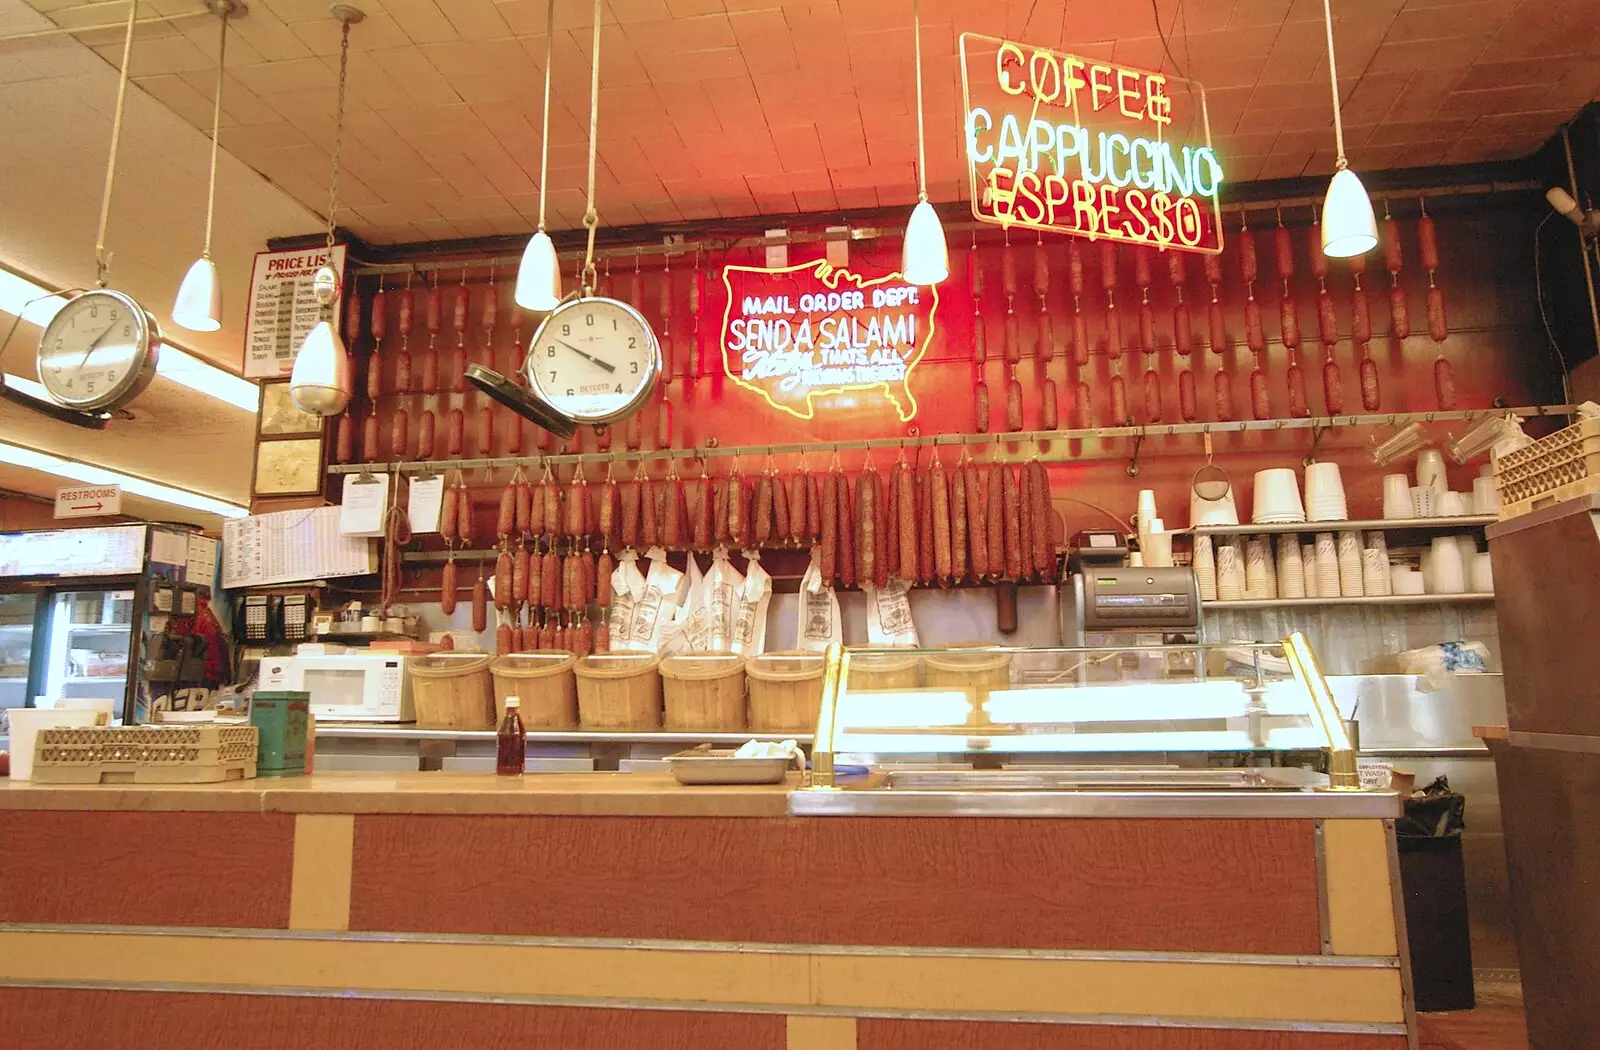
511, 755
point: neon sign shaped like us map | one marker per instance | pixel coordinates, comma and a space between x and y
794, 333
1073, 145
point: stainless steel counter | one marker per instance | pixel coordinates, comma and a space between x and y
847, 802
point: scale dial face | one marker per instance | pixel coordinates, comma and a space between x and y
595, 360
99, 351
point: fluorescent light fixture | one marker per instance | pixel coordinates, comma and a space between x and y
19, 456
37, 305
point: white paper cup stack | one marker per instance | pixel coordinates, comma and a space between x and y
1449, 574
1469, 549
1485, 497
1430, 470
1480, 574
1308, 566
1325, 493
1327, 566
1277, 497
1350, 571
1230, 573
1158, 548
1405, 580
1205, 568
1397, 502
1291, 572
1259, 582
1375, 572
1450, 504
1377, 541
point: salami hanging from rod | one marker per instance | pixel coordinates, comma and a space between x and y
1444, 382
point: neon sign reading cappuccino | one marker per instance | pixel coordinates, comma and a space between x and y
1063, 143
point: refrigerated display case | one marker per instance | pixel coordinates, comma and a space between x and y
79, 609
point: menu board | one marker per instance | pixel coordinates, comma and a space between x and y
116, 550
290, 546
284, 307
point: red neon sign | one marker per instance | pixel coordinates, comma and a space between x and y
792, 333
1067, 144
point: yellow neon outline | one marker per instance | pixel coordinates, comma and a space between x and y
973, 188
830, 276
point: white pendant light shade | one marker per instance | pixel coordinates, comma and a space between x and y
926, 258
539, 276
320, 382
1348, 225
199, 303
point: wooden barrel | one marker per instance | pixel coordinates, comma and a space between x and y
973, 670
704, 691
619, 691
453, 692
543, 680
785, 690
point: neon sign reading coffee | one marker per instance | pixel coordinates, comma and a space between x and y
793, 333
1062, 143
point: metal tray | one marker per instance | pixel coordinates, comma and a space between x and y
706, 766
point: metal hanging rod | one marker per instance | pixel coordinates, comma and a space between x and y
1051, 437
676, 247
40, 34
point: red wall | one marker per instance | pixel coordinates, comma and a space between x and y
1496, 346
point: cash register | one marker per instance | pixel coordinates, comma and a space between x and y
1107, 602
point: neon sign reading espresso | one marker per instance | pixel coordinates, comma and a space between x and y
793, 333
1063, 143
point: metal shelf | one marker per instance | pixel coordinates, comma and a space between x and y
1465, 521
570, 736
1062, 455
87, 679
110, 628
1470, 598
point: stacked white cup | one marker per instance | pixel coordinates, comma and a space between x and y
1230, 573
1350, 562
1205, 567
1397, 502
1443, 564
1327, 566
1277, 497
1308, 565
1325, 499
1291, 571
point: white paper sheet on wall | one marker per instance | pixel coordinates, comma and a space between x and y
290, 546
423, 502
366, 499
202, 561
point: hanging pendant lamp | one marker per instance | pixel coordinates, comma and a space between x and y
198, 306
320, 381
925, 257
1348, 226
539, 276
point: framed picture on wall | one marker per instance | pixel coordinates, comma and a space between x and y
280, 416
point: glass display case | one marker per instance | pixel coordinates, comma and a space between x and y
1225, 717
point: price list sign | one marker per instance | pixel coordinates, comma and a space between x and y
284, 307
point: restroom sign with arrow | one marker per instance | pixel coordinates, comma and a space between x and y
83, 502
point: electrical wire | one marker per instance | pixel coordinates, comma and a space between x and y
102, 260
1166, 47
1544, 316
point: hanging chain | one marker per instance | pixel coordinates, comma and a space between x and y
102, 258
338, 131
216, 121
591, 219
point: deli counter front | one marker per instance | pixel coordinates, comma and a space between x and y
1000, 847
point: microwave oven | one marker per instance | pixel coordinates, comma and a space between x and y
348, 687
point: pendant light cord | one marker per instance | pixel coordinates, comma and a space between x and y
338, 133
102, 259
591, 218
544, 146
922, 155
216, 123
1333, 80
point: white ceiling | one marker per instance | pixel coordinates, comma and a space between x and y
57, 96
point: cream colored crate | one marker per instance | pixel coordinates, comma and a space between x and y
1534, 476
191, 754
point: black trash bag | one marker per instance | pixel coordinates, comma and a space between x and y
1435, 813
